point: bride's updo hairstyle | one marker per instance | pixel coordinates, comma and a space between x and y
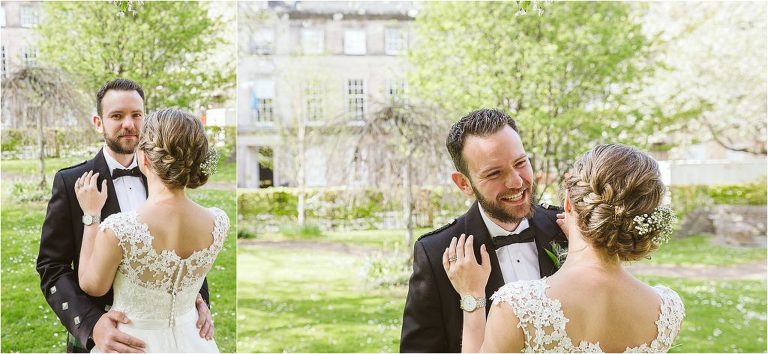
609, 187
174, 141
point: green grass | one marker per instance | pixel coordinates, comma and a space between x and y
323, 303
312, 301
28, 323
380, 239
721, 316
698, 250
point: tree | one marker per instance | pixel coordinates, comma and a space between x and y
716, 53
40, 97
567, 74
178, 51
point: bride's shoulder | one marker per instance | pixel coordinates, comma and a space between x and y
670, 298
220, 217
515, 292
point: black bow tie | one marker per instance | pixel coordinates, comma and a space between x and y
524, 236
123, 172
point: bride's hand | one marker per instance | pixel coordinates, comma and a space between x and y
466, 275
90, 198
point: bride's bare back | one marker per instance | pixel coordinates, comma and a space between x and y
180, 225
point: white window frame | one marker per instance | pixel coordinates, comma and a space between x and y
264, 93
29, 16
29, 55
314, 95
312, 41
357, 100
397, 91
355, 42
395, 41
263, 41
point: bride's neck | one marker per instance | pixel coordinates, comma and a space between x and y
582, 254
159, 192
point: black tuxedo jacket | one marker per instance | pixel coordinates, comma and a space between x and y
432, 320
59, 255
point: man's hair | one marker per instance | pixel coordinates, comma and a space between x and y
482, 122
118, 85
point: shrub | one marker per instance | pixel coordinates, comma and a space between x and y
384, 269
23, 192
305, 231
689, 197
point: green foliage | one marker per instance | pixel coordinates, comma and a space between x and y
305, 231
567, 76
59, 142
385, 269
353, 207
165, 46
27, 191
690, 197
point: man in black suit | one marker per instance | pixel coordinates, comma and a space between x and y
491, 166
89, 321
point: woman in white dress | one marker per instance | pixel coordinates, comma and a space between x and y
591, 304
156, 257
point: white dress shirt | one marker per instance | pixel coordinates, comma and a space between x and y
131, 193
518, 261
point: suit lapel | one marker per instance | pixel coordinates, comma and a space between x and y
543, 241
112, 206
474, 225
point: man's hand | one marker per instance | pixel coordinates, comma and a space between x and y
110, 340
204, 320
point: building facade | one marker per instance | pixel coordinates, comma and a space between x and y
308, 64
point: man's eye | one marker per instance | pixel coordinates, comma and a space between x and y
493, 174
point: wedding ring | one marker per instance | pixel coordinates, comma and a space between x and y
451, 260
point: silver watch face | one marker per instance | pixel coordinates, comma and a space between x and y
468, 303
88, 219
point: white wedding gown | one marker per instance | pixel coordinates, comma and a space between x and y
543, 321
157, 290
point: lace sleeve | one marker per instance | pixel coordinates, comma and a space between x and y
221, 226
115, 222
670, 318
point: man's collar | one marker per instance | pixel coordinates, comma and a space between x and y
495, 230
113, 164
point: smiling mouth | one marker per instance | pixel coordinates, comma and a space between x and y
513, 197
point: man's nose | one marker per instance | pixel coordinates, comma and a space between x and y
513, 181
129, 123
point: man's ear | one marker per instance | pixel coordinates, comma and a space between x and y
96, 120
463, 183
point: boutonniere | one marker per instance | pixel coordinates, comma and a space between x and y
557, 254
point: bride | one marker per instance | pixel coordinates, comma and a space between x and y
156, 257
591, 304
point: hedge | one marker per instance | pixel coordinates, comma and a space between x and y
265, 210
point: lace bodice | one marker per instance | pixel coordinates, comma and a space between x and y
156, 285
543, 321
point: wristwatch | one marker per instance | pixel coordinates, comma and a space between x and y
470, 303
91, 219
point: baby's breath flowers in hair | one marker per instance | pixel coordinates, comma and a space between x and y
660, 220
211, 162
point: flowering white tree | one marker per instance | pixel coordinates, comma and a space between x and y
716, 56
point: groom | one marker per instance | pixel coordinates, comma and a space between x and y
89, 321
491, 166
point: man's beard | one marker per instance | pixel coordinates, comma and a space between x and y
114, 145
496, 211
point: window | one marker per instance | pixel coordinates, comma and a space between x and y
263, 41
356, 100
313, 91
2, 16
312, 41
262, 102
395, 41
396, 92
30, 16
3, 62
29, 55
354, 42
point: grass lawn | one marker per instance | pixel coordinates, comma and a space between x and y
697, 250
28, 323
321, 301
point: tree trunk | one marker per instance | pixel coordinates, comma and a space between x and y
408, 202
40, 142
302, 165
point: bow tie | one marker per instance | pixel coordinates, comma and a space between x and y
123, 172
524, 236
